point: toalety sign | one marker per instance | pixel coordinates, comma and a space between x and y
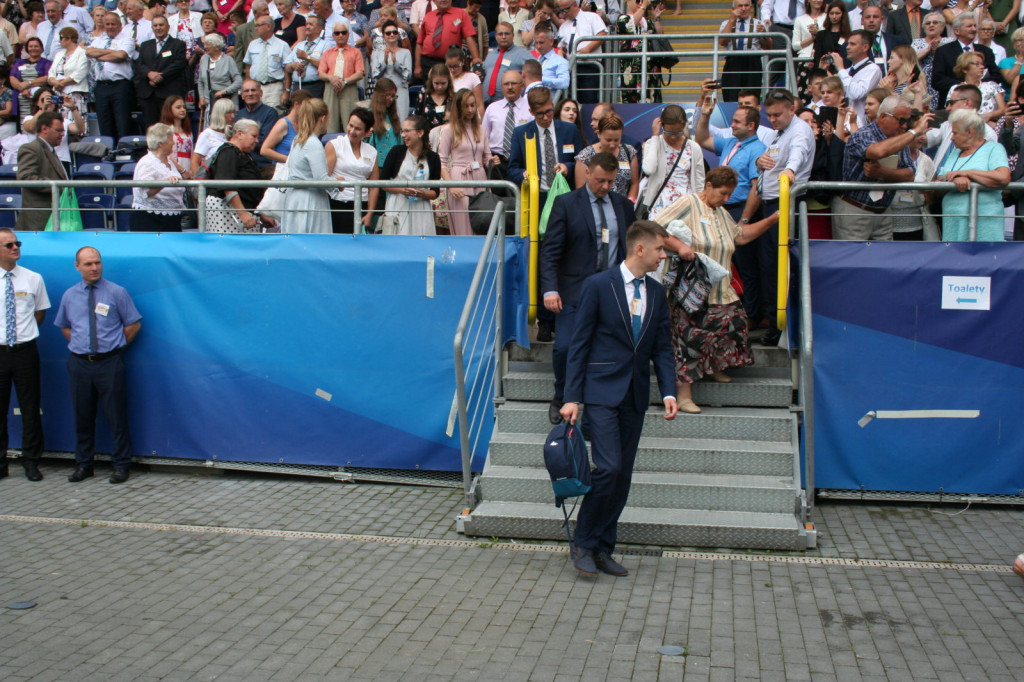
966, 293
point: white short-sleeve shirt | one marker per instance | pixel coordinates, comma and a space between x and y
29, 298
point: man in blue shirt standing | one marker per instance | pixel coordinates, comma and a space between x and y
98, 319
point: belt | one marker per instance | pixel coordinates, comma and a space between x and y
864, 207
789, 26
111, 80
96, 357
272, 82
17, 346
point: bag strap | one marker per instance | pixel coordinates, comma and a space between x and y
668, 175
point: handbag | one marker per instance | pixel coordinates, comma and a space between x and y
482, 205
662, 45
692, 285
68, 217
559, 186
387, 224
643, 211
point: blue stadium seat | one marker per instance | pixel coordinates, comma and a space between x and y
96, 210
95, 171
9, 205
125, 172
9, 171
124, 214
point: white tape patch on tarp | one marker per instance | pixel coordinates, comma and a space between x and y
917, 414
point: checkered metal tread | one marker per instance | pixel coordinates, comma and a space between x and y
672, 528
764, 356
701, 456
765, 494
726, 423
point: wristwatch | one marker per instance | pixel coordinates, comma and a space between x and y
745, 221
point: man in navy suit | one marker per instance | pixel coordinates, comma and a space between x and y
558, 143
586, 234
159, 70
965, 28
622, 325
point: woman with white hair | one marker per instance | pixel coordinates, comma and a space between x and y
221, 116
976, 161
157, 209
218, 76
229, 210
69, 74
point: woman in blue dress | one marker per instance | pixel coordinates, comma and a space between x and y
308, 210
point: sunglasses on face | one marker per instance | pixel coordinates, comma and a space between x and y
391, 33
341, 33
11, 245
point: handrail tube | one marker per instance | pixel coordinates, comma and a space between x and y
806, 362
972, 213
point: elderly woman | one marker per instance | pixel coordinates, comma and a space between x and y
713, 339
209, 141
1010, 66
158, 209
234, 211
218, 73
341, 67
977, 161
186, 26
672, 162
970, 68
934, 26
289, 27
393, 62
69, 74
28, 74
609, 139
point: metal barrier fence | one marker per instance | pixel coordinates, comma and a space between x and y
685, 47
203, 186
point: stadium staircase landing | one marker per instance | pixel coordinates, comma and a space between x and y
699, 16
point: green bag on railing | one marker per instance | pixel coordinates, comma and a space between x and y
70, 218
559, 186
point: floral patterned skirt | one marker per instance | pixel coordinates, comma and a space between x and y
710, 341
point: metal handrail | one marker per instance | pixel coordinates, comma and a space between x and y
494, 238
774, 54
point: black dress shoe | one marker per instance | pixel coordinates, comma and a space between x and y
771, 339
3, 471
606, 564
119, 476
554, 414
544, 334
80, 474
583, 560
32, 472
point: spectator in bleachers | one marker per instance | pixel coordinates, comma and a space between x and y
862, 76
577, 24
533, 77
264, 61
136, 25
350, 158
395, 63
49, 30
909, 209
222, 115
99, 29
304, 60
69, 73
325, 11
742, 71
234, 211
304, 8
835, 30
443, 27
815, 77
308, 210
970, 68
976, 160
341, 91
965, 28
833, 95
111, 68
222, 8
218, 73
463, 79
828, 165
36, 14
358, 30
37, 161
158, 209
568, 110
409, 207
515, 15
175, 115
74, 123
245, 32
554, 67
906, 21
873, 101
642, 17
265, 116
159, 71
881, 44
543, 13
386, 119
986, 35
436, 96
464, 156
278, 143
289, 27
187, 26
157, 8
482, 39
28, 74
502, 117
378, 16
902, 79
807, 26
506, 57
673, 164
1011, 65
8, 121
609, 139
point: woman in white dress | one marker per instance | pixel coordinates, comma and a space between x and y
308, 210
350, 158
407, 210
672, 163
395, 63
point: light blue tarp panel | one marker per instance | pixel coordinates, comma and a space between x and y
884, 342
301, 349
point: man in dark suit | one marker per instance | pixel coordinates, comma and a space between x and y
558, 143
622, 325
881, 44
586, 234
37, 161
907, 22
159, 70
965, 28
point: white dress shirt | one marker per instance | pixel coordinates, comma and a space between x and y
114, 71
494, 121
50, 35
858, 81
141, 34
794, 151
29, 298
585, 24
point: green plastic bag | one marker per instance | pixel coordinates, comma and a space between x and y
70, 218
559, 186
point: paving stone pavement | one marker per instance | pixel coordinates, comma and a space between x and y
262, 602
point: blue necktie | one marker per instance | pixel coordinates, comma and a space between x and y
634, 310
11, 318
94, 345
743, 27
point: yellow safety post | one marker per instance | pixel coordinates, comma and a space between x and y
531, 218
783, 293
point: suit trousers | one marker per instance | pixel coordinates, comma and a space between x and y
151, 107
114, 107
565, 325
768, 260
19, 364
746, 260
588, 83
614, 437
99, 384
545, 318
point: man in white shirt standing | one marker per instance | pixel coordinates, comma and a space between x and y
110, 59
502, 117
265, 60
862, 76
136, 26
25, 303
304, 59
575, 26
49, 30
779, 16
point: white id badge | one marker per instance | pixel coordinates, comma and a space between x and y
624, 165
604, 235
634, 307
475, 165
102, 309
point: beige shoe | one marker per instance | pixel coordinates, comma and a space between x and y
689, 407
721, 377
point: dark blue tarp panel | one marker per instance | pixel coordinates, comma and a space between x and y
301, 349
883, 341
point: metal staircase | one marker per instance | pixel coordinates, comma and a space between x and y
722, 478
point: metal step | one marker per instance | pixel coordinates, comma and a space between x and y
725, 423
753, 387
715, 492
764, 356
668, 527
692, 455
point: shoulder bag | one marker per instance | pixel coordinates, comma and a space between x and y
643, 211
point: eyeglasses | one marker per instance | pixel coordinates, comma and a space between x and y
781, 94
954, 101
11, 245
545, 113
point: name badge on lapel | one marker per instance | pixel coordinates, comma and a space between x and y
165, 53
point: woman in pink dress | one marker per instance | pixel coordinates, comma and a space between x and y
464, 155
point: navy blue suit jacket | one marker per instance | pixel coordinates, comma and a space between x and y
605, 367
568, 144
568, 253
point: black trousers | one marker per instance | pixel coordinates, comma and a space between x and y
99, 384
19, 364
147, 221
588, 83
741, 72
114, 107
746, 260
343, 220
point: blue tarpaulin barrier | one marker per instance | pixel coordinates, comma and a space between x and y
918, 367
295, 349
